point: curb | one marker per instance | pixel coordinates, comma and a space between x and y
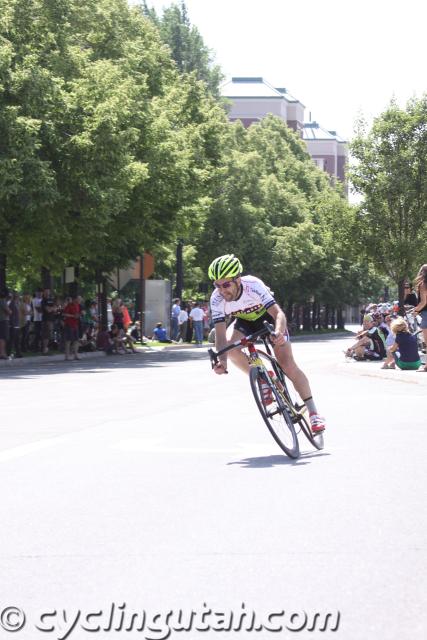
59, 357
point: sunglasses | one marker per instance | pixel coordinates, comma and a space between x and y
224, 285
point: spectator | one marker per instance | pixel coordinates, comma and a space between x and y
118, 315
405, 347
197, 316
94, 313
421, 307
176, 309
135, 333
118, 342
369, 344
189, 335
160, 334
104, 342
37, 319
71, 315
49, 310
89, 323
109, 312
182, 324
5, 312
410, 299
127, 321
389, 342
26, 313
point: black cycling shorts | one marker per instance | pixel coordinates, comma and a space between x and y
250, 326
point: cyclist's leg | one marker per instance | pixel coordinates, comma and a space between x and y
286, 360
300, 381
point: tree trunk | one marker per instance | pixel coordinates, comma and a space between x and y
101, 286
313, 315
401, 295
290, 317
319, 317
46, 278
73, 287
340, 319
333, 311
3, 264
326, 318
306, 326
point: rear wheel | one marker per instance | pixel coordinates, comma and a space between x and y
303, 420
277, 415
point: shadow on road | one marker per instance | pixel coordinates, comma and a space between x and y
264, 462
128, 362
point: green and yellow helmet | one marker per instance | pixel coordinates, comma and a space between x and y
227, 266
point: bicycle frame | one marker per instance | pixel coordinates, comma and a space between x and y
255, 360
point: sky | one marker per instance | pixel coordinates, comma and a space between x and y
340, 58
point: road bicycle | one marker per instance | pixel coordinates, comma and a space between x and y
414, 324
282, 412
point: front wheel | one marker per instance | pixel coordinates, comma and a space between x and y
276, 415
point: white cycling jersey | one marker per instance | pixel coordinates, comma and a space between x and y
252, 303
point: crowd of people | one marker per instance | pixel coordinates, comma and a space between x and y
43, 322
190, 321
396, 340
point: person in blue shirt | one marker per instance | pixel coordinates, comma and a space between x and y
160, 334
405, 348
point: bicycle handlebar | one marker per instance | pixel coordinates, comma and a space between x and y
214, 355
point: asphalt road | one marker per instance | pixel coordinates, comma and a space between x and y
147, 484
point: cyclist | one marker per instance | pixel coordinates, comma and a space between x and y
250, 302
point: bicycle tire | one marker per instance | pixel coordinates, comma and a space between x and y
276, 416
291, 395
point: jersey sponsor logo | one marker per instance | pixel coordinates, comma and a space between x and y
249, 313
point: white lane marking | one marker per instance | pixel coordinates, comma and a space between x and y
27, 449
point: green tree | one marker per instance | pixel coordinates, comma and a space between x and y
121, 146
390, 173
279, 213
186, 44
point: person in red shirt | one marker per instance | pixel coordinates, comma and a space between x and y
71, 315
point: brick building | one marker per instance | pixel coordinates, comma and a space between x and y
252, 98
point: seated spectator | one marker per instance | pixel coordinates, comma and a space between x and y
369, 344
103, 342
160, 334
120, 343
389, 342
405, 347
134, 332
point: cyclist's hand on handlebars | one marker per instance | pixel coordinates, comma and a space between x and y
220, 369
